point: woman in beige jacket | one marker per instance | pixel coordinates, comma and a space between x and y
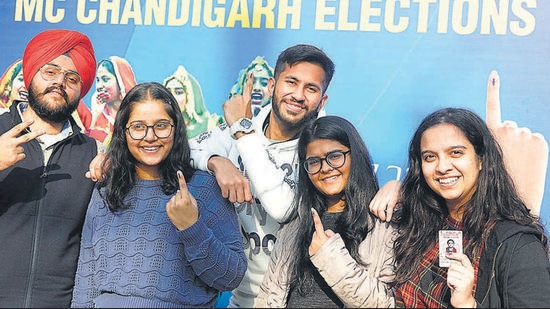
332, 252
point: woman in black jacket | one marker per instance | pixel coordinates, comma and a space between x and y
457, 181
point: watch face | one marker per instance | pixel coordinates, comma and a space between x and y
246, 123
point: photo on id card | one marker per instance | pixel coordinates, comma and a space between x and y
450, 241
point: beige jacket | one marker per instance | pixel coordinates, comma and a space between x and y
356, 285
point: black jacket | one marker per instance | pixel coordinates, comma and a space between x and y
514, 269
42, 210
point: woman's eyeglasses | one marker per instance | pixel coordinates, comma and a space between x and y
334, 159
161, 129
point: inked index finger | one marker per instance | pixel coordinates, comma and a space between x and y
319, 228
247, 93
492, 107
183, 184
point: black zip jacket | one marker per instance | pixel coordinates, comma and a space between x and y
514, 269
42, 210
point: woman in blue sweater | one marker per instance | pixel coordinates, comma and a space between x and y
157, 232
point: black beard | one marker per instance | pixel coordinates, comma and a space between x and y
58, 114
297, 125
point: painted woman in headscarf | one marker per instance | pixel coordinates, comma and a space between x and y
12, 86
188, 93
114, 78
260, 93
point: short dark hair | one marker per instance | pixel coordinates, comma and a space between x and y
305, 53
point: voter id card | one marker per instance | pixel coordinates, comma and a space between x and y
450, 241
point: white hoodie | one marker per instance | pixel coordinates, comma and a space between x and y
272, 168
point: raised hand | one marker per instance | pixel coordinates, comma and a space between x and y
460, 279
320, 236
239, 106
103, 96
182, 207
525, 153
11, 150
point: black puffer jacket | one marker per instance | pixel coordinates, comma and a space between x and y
514, 269
42, 210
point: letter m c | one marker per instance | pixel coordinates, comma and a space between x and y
28, 8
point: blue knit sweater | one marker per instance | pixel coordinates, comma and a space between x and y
137, 257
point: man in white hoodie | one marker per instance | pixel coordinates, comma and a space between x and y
255, 158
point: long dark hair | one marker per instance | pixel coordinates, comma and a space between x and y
423, 212
120, 165
361, 187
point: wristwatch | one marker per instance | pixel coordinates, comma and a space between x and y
242, 125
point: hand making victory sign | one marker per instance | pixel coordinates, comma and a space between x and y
11, 150
525, 153
320, 236
182, 207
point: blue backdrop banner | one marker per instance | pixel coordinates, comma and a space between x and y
396, 61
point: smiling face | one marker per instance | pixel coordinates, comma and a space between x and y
106, 85
450, 164
331, 182
18, 89
298, 95
53, 100
151, 150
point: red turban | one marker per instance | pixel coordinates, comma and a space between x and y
50, 44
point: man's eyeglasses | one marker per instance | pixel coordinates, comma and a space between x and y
334, 159
161, 129
51, 72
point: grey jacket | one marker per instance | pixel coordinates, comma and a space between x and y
355, 284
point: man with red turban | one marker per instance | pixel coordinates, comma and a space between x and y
44, 156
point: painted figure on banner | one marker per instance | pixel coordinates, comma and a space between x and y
187, 91
261, 95
114, 78
12, 86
